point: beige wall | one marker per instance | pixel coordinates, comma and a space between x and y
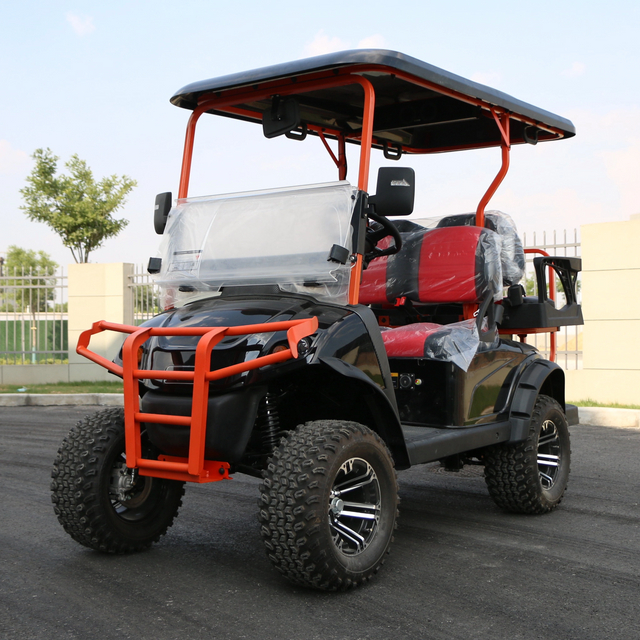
97, 292
611, 307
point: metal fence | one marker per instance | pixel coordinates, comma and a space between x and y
33, 316
568, 339
146, 295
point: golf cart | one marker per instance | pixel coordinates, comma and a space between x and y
317, 338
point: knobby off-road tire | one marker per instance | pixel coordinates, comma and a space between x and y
98, 501
531, 476
328, 505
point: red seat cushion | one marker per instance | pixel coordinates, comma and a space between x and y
408, 341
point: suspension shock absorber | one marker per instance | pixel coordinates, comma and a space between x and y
269, 421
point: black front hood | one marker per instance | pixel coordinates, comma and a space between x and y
177, 353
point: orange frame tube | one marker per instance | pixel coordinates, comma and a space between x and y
502, 121
194, 468
227, 102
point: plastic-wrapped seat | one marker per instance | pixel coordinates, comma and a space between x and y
511, 252
438, 267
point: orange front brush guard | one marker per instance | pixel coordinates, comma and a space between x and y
194, 468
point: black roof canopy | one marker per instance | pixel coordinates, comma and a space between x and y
418, 107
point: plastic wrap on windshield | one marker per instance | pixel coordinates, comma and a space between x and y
456, 342
279, 236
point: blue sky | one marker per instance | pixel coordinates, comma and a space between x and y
95, 79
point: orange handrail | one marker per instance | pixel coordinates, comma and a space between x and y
194, 468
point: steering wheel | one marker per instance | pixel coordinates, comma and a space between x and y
373, 237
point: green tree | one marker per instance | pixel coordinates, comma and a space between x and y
75, 206
27, 283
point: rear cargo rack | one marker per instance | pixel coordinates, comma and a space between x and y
194, 468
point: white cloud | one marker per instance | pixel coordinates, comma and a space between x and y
322, 43
490, 78
372, 42
81, 25
622, 169
11, 160
575, 70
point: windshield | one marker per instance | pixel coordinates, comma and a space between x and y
279, 236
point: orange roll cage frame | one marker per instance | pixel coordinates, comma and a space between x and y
227, 101
194, 468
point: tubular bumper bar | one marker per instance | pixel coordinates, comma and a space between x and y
194, 468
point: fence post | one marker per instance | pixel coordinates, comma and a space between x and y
97, 292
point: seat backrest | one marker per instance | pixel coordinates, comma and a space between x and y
512, 252
434, 266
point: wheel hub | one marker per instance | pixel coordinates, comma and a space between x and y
354, 506
127, 488
337, 506
549, 454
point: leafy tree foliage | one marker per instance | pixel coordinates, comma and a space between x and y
27, 283
75, 206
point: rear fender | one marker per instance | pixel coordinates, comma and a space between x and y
540, 377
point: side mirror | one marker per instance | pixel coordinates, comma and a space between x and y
281, 118
161, 212
395, 191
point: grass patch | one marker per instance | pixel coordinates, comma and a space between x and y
65, 387
604, 405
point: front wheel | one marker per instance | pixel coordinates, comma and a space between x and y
100, 502
531, 476
329, 503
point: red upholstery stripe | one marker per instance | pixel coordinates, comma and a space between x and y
448, 265
373, 286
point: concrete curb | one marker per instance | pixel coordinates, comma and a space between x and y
598, 416
609, 417
57, 399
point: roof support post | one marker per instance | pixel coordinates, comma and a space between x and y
502, 120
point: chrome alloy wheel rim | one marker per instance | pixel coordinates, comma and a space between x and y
354, 506
549, 454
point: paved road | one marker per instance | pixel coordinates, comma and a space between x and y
459, 568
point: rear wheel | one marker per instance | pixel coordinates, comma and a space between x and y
100, 502
531, 476
329, 504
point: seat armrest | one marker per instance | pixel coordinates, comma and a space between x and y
567, 269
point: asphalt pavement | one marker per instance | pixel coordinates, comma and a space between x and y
459, 567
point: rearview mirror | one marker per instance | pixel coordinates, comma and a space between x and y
161, 211
395, 191
281, 118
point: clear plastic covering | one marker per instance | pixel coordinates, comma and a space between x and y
441, 265
511, 254
456, 342
279, 236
